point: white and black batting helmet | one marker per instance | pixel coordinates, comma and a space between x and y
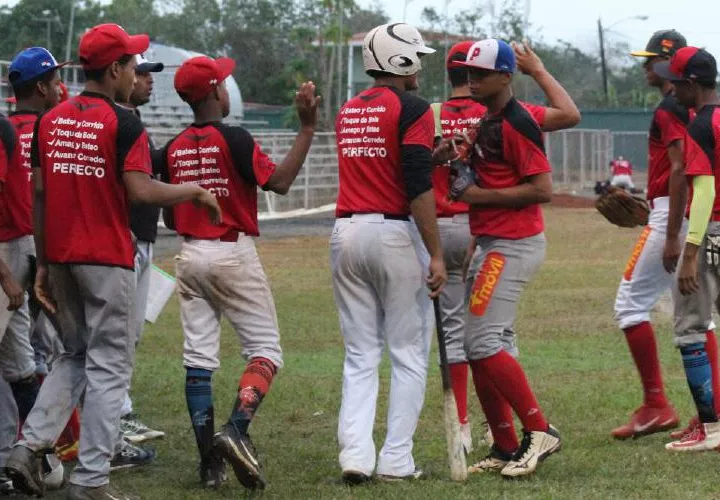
394, 48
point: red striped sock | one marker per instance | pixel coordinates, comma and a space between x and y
459, 381
509, 379
711, 347
497, 411
641, 340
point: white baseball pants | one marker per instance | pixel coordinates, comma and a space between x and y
379, 268
645, 279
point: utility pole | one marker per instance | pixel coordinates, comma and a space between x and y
69, 40
445, 44
340, 48
603, 62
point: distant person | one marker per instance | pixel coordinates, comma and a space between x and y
621, 170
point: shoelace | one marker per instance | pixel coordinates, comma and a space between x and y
695, 435
135, 425
524, 447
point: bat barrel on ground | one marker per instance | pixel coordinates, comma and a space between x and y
456, 452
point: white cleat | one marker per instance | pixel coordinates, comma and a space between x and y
536, 446
705, 437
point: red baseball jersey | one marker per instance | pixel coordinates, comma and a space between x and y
510, 152
16, 218
7, 149
702, 150
371, 128
82, 148
621, 167
460, 115
669, 124
227, 162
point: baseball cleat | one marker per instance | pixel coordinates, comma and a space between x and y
131, 456
535, 447
6, 486
413, 476
705, 437
646, 420
105, 492
495, 461
135, 431
466, 438
24, 469
240, 453
692, 426
354, 477
53, 471
212, 473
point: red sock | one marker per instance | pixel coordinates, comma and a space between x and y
641, 340
509, 379
254, 385
459, 379
711, 347
497, 411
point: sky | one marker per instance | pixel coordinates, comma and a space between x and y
576, 20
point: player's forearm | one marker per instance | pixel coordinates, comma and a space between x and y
563, 112
287, 171
678, 200
519, 196
143, 189
700, 208
422, 208
39, 227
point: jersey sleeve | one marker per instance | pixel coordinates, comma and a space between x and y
133, 146
537, 112
671, 127
251, 162
699, 147
417, 122
7, 146
524, 148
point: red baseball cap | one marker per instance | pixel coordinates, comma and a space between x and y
688, 63
198, 76
104, 44
458, 52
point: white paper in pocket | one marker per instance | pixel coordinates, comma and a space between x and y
162, 286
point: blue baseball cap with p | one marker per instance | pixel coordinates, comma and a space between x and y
490, 54
32, 63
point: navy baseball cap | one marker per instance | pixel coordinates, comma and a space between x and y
32, 63
491, 54
688, 63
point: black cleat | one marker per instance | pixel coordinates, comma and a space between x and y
23, 468
239, 452
212, 473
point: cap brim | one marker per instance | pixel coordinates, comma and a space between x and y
643, 53
425, 50
463, 64
226, 67
137, 44
149, 67
662, 69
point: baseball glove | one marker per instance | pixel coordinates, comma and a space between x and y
622, 208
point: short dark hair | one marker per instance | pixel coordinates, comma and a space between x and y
458, 76
25, 90
376, 73
708, 85
97, 75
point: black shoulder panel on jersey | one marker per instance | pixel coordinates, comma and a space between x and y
671, 105
7, 136
412, 108
242, 147
129, 129
701, 131
522, 121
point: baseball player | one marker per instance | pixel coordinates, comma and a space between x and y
694, 73
218, 269
12, 299
621, 170
649, 271
461, 115
384, 252
513, 178
143, 224
90, 158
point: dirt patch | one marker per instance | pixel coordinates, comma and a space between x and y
570, 201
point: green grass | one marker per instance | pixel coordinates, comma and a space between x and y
575, 357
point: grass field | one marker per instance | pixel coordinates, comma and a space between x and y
575, 357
